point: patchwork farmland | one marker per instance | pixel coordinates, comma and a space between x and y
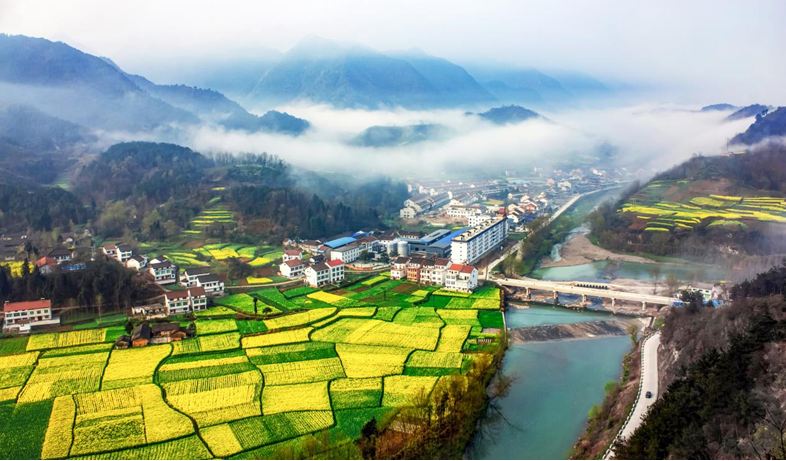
653, 213
312, 370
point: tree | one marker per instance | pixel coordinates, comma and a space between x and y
693, 299
368, 439
672, 283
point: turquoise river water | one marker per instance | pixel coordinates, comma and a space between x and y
556, 384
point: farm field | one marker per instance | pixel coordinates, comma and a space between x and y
654, 214
319, 364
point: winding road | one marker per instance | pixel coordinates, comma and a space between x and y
649, 383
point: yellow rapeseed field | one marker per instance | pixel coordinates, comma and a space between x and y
58, 376
300, 318
400, 391
217, 399
452, 338
362, 361
57, 441
129, 367
280, 337
295, 397
302, 371
65, 339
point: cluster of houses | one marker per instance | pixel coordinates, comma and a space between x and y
163, 271
435, 271
317, 271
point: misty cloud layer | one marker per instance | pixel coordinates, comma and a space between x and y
646, 138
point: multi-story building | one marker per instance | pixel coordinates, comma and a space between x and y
163, 271
61, 255
478, 241
212, 285
292, 268
118, 251
478, 219
398, 268
347, 253
136, 262
20, 316
336, 270
180, 302
325, 273
292, 254
461, 277
434, 271
317, 275
188, 277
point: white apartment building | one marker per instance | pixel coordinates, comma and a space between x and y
180, 302
478, 219
475, 243
20, 316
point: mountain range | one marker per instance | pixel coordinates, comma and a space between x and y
767, 124
348, 75
94, 92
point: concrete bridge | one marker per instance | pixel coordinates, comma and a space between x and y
585, 289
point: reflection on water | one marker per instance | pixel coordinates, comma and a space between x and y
557, 382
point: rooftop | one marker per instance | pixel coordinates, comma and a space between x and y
479, 229
339, 242
27, 305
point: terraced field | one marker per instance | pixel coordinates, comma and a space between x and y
652, 214
316, 368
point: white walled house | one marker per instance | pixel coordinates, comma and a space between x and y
188, 277
336, 270
180, 302
136, 262
461, 277
292, 268
212, 285
291, 254
317, 275
20, 316
163, 271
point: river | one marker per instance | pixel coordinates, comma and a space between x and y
556, 384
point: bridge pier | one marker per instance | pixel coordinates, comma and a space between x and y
643, 305
527, 293
613, 302
583, 299
555, 295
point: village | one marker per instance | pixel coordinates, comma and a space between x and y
444, 229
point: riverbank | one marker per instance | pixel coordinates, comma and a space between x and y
580, 250
606, 419
592, 329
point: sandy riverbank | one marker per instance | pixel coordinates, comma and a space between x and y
579, 250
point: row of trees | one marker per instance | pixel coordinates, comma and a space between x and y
102, 284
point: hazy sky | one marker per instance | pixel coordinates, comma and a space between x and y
710, 50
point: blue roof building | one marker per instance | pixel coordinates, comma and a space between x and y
340, 242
